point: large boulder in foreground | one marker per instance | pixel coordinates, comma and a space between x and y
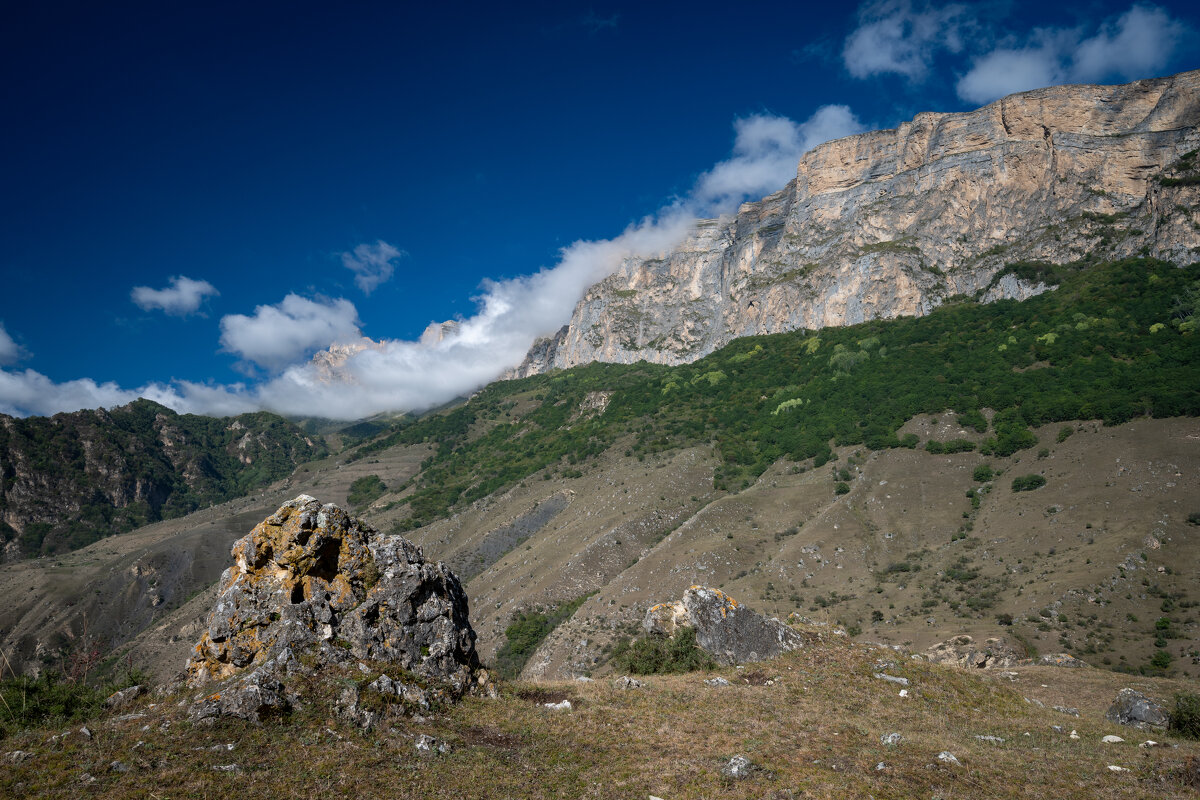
312, 586
727, 630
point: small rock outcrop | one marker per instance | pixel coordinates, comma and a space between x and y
1136, 709
728, 631
963, 651
311, 581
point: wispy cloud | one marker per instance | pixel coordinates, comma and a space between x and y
276, 336
1137, 44
596, 23
766, 150
181, 297
893, 36
10, 351
372, 264
414, 375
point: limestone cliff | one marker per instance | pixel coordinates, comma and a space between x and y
892, 223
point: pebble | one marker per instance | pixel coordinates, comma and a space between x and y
1074, 735
1110, 739
1115, 768
948, 758
992, 739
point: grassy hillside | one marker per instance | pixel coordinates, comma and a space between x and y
812, 724
1114, 342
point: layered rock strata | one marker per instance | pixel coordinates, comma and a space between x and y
895, 222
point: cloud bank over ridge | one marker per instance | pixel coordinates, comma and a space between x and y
399, 375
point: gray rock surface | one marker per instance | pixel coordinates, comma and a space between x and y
727, 630
1133, 708
310, 580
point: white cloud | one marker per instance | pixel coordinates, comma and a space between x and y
1138, 44
893, 37
414, 375
372, 264
25, 392
766, 150
182, 297
278, 335
10, 351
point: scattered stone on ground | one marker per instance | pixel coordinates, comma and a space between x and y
947, 757
891, 739
1136, 709
122, 698
428, 745
227, 767
727, 630
1073, 712
1062, 660
18, 756
883, 676
1110, 739
739, 768
1115, 768
626, 682
118, 766
718, 681
992, 739
565, 705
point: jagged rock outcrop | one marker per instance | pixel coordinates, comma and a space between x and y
892, 223
727, 630
310, 582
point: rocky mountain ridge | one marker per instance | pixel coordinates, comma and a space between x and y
69, 479
895, 222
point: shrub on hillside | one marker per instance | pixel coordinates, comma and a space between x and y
1185, 716
1027, 483
365, 490
655, 655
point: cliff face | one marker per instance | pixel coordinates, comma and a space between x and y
892, 223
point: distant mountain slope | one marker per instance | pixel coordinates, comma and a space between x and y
896, 222
70, 479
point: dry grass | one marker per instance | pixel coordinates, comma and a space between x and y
814, 731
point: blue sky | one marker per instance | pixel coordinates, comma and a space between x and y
200, 195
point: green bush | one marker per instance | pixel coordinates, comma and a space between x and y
983, 473
952, 446
528, 630
1185, 716
1161, 660
841, 488
1027, 483
655, 655
365, 490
